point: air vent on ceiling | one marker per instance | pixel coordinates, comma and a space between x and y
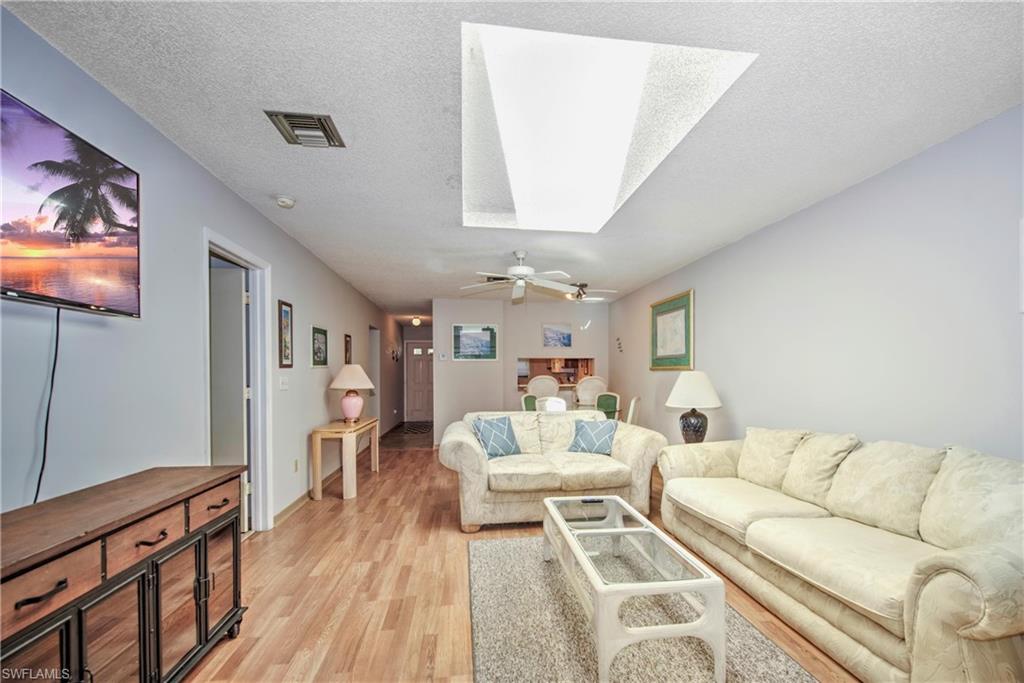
308, 130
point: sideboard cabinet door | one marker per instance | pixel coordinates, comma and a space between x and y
222, 567
114, 631
45, 657
177, 613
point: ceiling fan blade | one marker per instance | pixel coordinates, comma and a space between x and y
497, 276
556, 273
606, 291
519, 290
485, 291
480, 284
551, 284
591, 299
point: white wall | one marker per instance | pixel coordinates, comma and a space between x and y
463, 386
889, 310
130, 394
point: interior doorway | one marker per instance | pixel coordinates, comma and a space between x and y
419, 381
373, 370
237, 367
230, 372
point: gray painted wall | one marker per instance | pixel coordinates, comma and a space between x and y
130, 393
890, 309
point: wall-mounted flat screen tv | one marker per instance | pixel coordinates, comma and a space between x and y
69, 217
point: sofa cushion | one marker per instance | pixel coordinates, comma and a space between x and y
523, 472
732, 504
974, 499
864, 567
765, 455
814, 463
585, 471
558, 429
594, 436
496, 436
883, 484
524, 424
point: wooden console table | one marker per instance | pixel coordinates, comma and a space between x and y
349, 433
132, 580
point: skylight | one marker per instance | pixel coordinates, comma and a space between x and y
559, 130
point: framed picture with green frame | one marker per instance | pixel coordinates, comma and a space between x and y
672, 332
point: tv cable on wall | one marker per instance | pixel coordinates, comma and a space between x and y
49, 404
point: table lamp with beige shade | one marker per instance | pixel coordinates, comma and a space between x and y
351, 378
693, 390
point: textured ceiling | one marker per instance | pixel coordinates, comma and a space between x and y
838, 93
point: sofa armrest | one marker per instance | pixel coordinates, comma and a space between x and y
711, 459
979, 593
460, 450
637, 448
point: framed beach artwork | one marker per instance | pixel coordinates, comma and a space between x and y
474, 342
672, 332
285, 323
319, 350
348, 349
557, 335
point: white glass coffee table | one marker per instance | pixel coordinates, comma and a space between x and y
620, 554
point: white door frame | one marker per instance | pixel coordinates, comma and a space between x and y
261, 357
405, 374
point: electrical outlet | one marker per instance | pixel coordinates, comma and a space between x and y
296, 465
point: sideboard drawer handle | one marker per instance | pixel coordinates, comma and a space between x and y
57, 588
162, 536
223, 503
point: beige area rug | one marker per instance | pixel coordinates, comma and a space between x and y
528, 625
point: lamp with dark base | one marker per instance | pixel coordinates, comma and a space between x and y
693, 390
351, 377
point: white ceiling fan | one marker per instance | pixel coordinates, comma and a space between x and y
520, 275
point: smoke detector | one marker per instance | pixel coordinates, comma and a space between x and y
308, 130
285, 202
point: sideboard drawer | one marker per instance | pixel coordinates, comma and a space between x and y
212, 504
140, 540
29, 597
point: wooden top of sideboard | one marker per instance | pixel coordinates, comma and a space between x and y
36, 533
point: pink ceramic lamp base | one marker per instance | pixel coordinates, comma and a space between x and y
351, 405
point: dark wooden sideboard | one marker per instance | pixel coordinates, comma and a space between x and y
131, 580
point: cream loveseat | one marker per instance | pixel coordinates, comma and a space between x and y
513, 488
902, 562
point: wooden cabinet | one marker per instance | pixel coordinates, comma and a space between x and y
140, 591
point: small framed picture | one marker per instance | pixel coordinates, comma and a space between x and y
672, 332
319, 351
285, 325
557, 335
348, 349
474, 342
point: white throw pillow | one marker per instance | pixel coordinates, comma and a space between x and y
814, 463
765, 455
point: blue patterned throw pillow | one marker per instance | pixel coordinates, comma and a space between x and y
594, 436
496, 436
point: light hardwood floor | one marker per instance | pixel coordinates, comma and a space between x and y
376, 588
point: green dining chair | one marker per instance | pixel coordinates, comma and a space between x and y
529, 402
608, 402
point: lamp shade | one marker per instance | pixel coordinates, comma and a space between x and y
351, 377
693, 390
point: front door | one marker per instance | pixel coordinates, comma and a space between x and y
419, 381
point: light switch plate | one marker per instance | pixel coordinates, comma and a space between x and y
282, 383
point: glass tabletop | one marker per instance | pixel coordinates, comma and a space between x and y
620, 544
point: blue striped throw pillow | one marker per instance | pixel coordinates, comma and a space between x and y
594, 436
496, 436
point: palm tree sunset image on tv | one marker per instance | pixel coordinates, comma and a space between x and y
69, 217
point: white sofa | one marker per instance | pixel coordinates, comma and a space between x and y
513, 488
903, 563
